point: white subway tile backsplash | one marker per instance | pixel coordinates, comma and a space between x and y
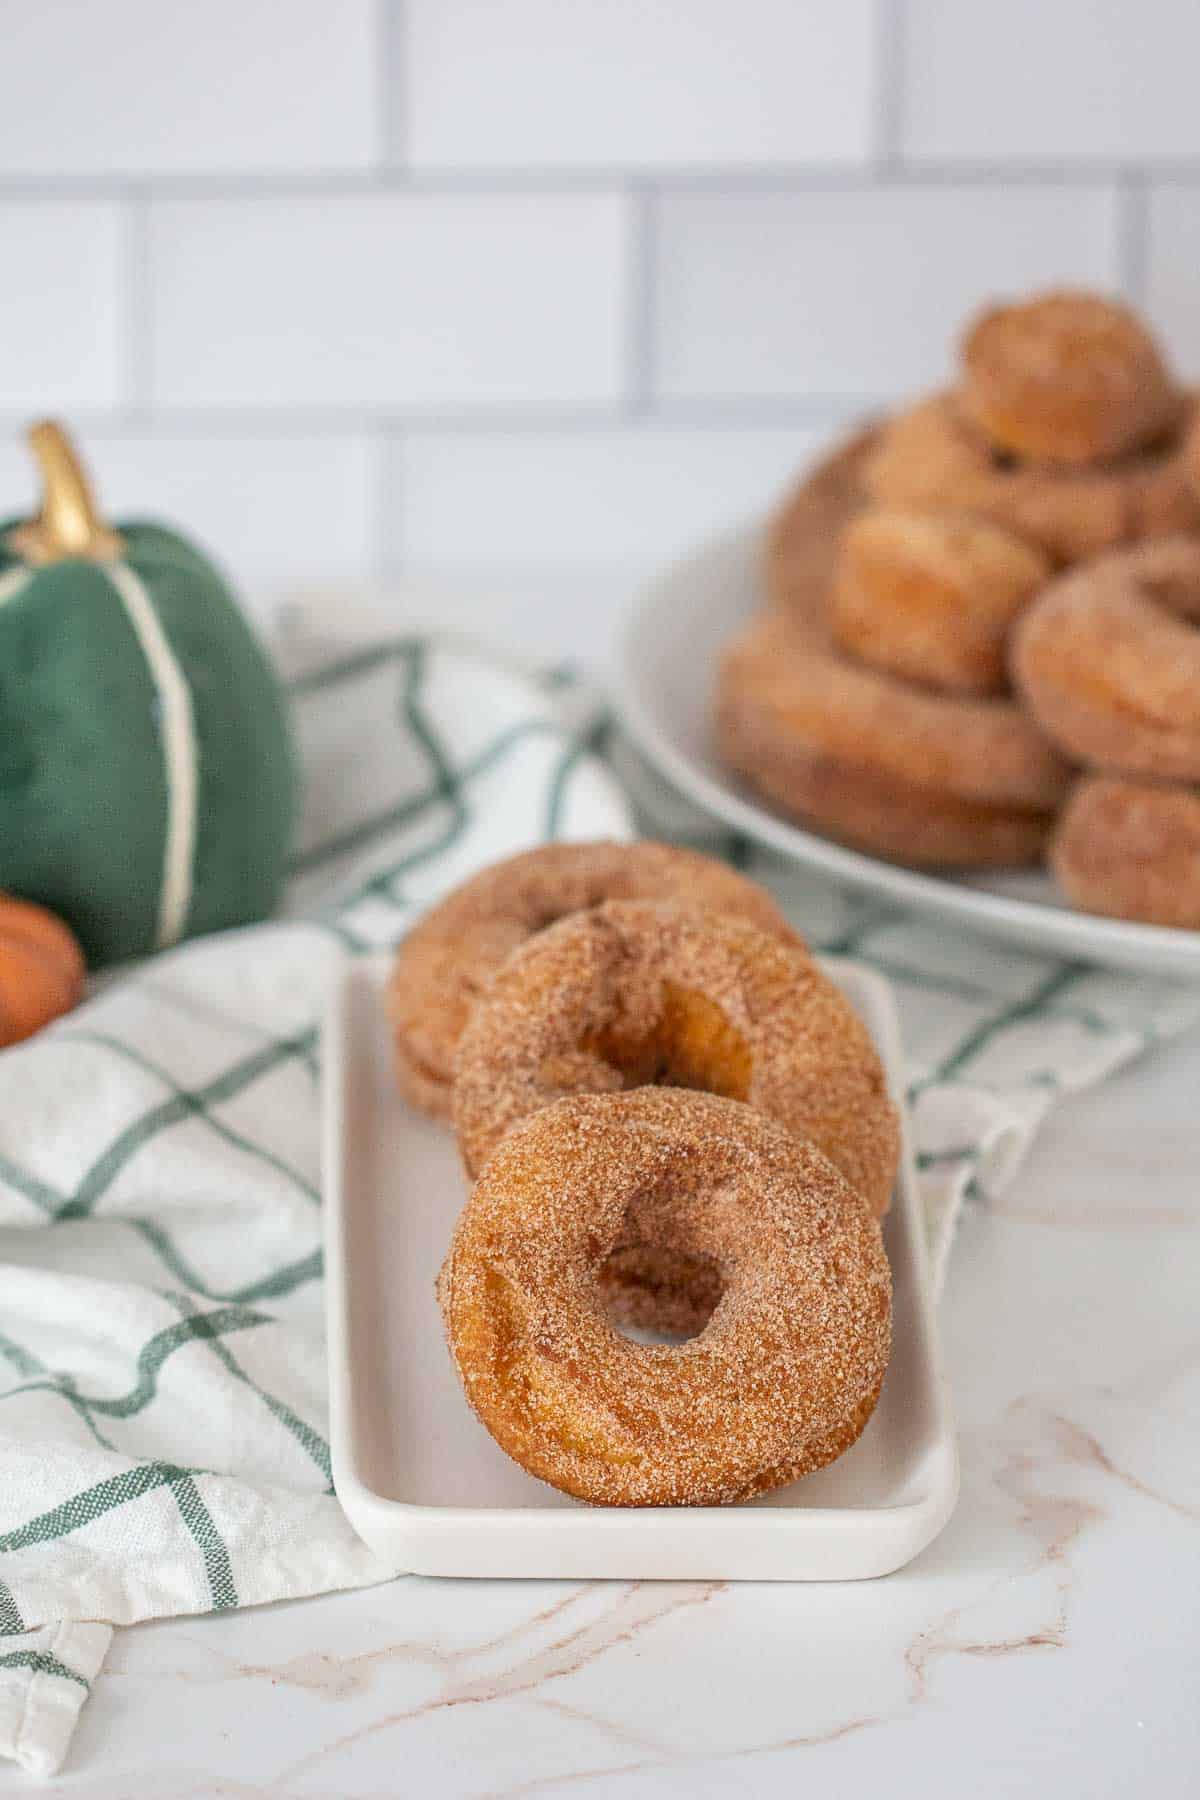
620, 82
554, 499
390, 300
541, 615
790, 292
142, 87
1051, 78
549, 284
270, 510
266, 507
1173, 272
62, 305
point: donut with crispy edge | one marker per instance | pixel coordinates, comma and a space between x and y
1069, 378
635, 993
804, 536
1108, 660
1131, 850
447, 960
922, 778
783, 1377
783, 683
932, 457
931, 597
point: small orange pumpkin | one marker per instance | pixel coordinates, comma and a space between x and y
42, 971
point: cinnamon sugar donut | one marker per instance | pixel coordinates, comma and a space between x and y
804, 537
634, 993
1191, 454
933, 457
932, 597
918, 777
1068, 378
1108, 659
782, 1379
448, 959
1131, 850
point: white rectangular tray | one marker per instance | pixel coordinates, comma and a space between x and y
424, 1484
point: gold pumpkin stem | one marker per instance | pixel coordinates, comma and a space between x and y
68, 524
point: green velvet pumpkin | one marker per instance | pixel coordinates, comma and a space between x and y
147, 779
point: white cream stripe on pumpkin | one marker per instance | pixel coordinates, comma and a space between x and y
178, 733
12, 582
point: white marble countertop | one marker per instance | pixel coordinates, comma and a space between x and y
1049, 1642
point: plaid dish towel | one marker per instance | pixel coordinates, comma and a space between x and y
162, 1383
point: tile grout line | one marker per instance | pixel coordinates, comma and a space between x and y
748, 413
385, 546
248, 186
889, 34
391, 89
641, 307
138, 373
1133, 235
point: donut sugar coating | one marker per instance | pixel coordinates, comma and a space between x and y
1191, 452
921, 778
784, 1375
803, 540
449, 957
638, 992
932, 457
1067, 377
1131, 849
1108, 660
932, 596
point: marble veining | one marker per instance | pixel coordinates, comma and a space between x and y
1048, 1641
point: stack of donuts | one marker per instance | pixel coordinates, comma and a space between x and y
675, 1123
979, 646
1109, 664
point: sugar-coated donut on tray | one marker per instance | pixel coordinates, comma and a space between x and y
922, 778
934, 457
931, 597
638, 992
783, 1377
446, 962
1108, 660
1132, 850
1067, 377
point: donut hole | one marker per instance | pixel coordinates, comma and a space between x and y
655, 1295
689, 1043
1003, 460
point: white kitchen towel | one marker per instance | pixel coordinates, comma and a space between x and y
162, 1383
